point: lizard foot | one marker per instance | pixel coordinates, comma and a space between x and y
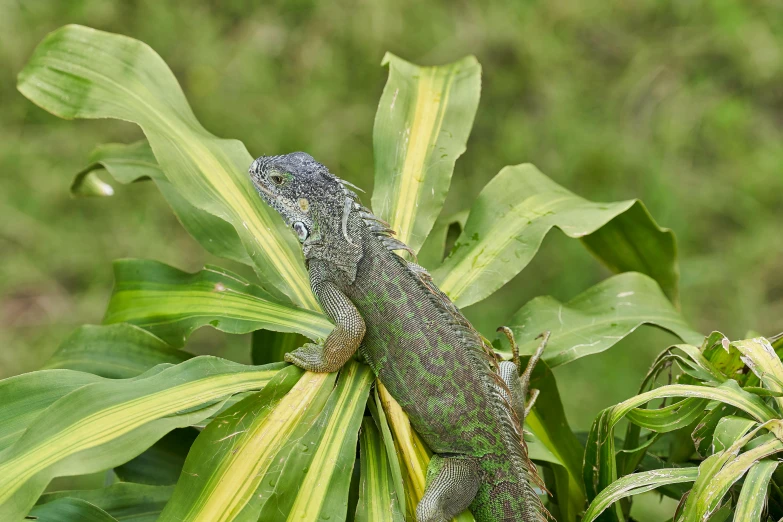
311, 357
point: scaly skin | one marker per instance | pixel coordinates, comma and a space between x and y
424, 351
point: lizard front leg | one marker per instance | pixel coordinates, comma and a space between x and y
341, 343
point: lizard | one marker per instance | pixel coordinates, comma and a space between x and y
466, 403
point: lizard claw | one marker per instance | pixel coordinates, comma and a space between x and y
310, 357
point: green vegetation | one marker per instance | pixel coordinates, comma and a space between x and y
674, 104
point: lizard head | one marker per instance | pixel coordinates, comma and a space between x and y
300, 189
314, 202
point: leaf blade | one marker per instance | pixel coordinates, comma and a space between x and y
171, 303
423, 121
108, 422
511, 216
78, 72
596, 319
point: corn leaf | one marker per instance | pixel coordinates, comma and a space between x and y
70, 510
377, 495
78, 72
513, 213
125, 502
600, 465
315, 479
106, 423
720, 471
25, 396
596, 319
268, 346
376, 410
635, 484
117, 351
548, 422
171, 303
759, 355
753, 496
135, 162
421, 127
161, 464
229, 459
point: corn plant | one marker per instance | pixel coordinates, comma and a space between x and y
727, 425
203, 438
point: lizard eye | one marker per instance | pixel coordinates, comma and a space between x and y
277, 179
301, 231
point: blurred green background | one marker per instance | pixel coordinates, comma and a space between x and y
677, 103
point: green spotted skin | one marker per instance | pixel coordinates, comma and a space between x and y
440, 375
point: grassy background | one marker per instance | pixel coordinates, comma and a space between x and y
676, 103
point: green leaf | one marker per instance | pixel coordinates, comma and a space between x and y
70, 510
549, 424
753, 496
124, 501
720, 471
600, 465
759, 355
377, 496
702, 435
229, 459
171, 303
376, 410
671, 417
635, 484
513, 213
25, 396
162, 463
597, 318
78, 72
117, 351
134, 162
316, 476
106, 423
421, 127
268, 346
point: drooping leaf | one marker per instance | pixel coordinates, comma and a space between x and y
70, 510
759, 355
597, 318
377, 495
421, 127
513, 213
227, 462
600, 465
635, 484
268, 346
135, 161
106, 423
78, 72
753, 496
117, 351
162, 463
124, 501
171, 303
720, 471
